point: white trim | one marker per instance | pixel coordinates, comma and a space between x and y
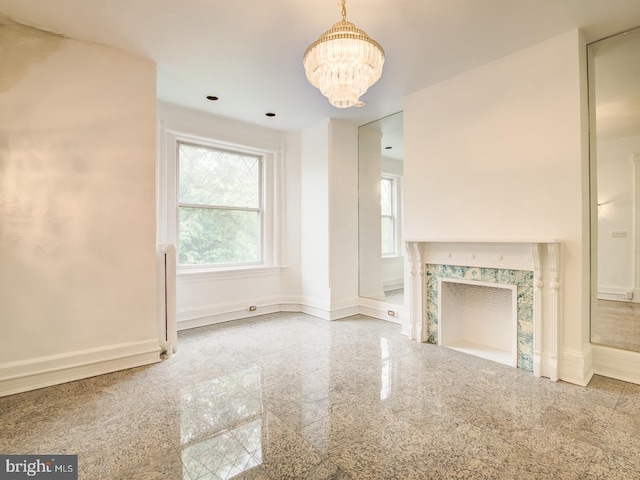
185, 277
496, 254
177, 125
576, 366
516, 256
554, 329
21, 376
389, 312
202, 317
392, 285
616, 363
189, 317
538, 284
636, 221
219, 313
414, 294
396, 215
616, 294
266, 165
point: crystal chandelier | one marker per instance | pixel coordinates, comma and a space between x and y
343, 63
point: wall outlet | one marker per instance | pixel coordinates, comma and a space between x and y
619, 234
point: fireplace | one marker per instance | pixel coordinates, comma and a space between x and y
479, 318
498, 300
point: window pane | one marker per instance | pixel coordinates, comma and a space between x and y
388, 243
212, 236
386, 196
218, 178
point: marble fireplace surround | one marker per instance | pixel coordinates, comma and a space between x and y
519, 261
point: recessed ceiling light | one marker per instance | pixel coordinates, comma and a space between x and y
270, 114
212, 98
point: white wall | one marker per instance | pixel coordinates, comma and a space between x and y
343, 206
329, 219
370, 168
77, 210
210, 297
616, 178
314, 222
499, 152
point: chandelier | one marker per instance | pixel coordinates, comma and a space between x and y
343, 63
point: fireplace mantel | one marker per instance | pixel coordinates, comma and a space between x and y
541, 256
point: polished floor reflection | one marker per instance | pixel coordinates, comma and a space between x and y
289, 396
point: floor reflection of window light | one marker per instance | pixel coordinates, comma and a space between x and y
385, 370
215, 405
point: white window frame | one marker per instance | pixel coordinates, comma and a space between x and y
272, 201
260, 210
396, 213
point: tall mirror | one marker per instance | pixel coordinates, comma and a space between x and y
614, 89
380, 210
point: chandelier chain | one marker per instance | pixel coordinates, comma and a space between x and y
344, 10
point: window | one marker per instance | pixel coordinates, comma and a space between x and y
220, 206
389, 210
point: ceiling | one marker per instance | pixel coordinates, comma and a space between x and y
249, 52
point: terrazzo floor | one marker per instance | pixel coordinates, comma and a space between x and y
289, 396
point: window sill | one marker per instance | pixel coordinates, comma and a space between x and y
391, 258
193, 275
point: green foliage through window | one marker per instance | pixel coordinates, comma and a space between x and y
219, 206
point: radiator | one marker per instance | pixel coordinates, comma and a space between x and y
167, 328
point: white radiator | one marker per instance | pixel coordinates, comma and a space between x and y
167, 328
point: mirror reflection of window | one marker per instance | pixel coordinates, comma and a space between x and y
388, 216
380, 170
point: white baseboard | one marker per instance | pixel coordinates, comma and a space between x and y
383, 311
577, 367
344, 308
616, 363
392, 285
213, 314
21, 376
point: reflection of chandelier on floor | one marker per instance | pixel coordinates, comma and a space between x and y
343, 63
